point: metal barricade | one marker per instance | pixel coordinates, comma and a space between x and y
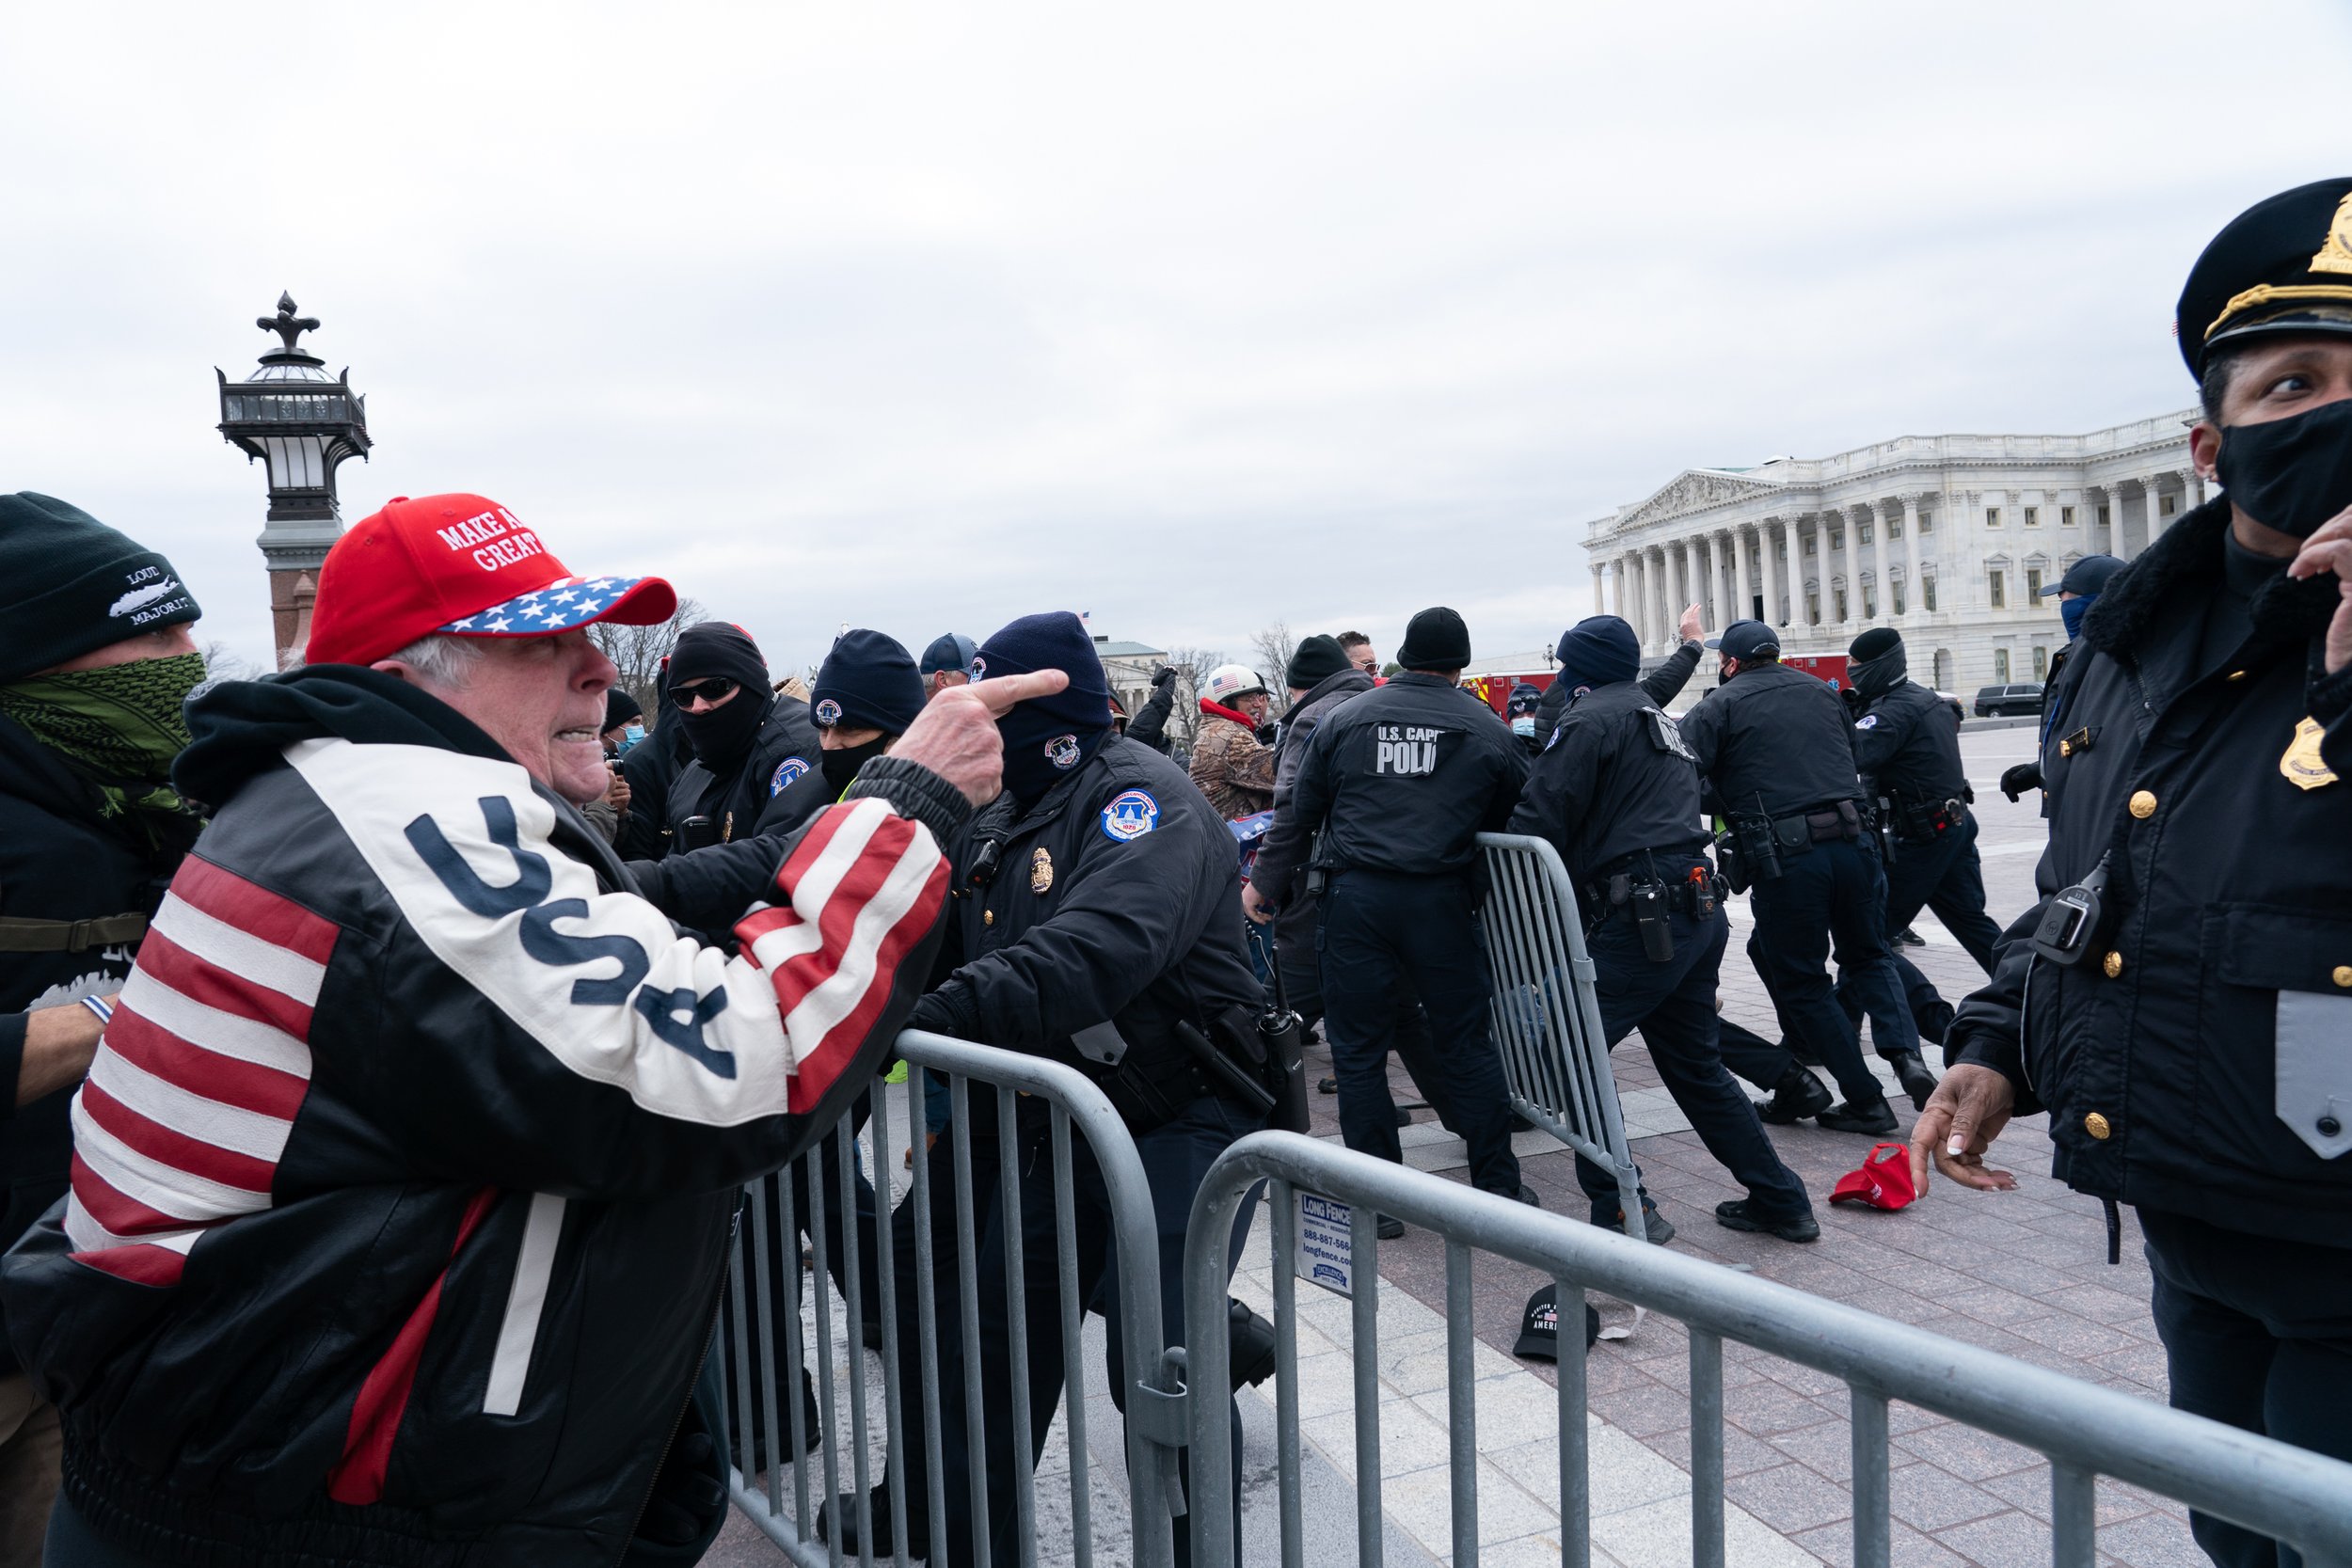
765, 1342
1546, 1020
2084, 1431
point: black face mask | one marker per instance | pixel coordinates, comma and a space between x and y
722, 737
2290, 474
841, 765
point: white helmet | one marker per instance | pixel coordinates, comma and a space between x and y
1229, 681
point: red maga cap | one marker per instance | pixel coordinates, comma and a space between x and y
461, 565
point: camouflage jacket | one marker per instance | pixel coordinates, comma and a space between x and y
1232, 768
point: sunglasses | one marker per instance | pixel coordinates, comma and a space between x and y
717, 690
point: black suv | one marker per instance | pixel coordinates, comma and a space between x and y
1997, 702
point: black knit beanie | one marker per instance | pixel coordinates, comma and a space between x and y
868, 682
1318, 658
1435, 640
70, 585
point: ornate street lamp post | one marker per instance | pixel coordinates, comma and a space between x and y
302, 423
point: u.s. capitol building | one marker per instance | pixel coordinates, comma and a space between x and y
1949, 539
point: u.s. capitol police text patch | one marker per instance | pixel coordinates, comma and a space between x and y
1131, 814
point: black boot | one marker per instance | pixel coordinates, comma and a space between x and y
1249, 1344
1741, 1214
1872, 1116
1797, 1096
1656, 1227
884, 1544
1910, 1071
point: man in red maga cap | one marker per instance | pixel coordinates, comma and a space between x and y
404, 1173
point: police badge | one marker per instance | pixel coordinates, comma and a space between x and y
2302, 765
1040, 871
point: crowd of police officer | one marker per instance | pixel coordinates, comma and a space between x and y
2183, 1014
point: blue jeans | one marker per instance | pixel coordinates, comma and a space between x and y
1832, 893
1381, 929
2257, 1332
1672, 1003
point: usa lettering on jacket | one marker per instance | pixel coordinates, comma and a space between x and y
1409, 750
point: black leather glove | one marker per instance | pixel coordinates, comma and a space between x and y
685, 1495
1164, 677
2017, 779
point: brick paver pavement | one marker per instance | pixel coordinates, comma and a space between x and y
2023, 1272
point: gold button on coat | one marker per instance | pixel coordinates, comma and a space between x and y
2143, 804
2343, 975
2113, 964
2096, 1125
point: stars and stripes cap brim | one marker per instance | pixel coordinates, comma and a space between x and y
569, 603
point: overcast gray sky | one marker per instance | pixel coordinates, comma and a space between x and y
924, 317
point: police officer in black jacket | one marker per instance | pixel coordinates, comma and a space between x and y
1772, 741
1617, 793
1096, 913
1400, 782
755, 764
1906, 747
2180, 1001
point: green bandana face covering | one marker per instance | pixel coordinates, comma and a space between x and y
119, 725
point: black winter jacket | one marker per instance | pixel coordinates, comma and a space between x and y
1664, 684
1115, 898
1615, 778
1406, 777
1282, 853
1776, 735
779, 784
1148, 727
1908, 741
407, 1163
60, 861
2226, 796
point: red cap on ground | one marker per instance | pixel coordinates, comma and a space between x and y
462, 564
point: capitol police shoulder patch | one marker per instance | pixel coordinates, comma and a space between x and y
788, 772
1868, 721
1131, 814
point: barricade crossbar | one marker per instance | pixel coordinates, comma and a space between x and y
761, 1368
1547, 1016
2084, 1429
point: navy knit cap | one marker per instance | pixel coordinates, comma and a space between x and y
867, 683
1048, 737
1600, 650
1524, 698
619, 707
69, 585
948, 651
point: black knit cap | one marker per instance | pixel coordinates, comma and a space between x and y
1435, 640
619, 707
1875, 643
1317, 660
2285, 265
716, 648
70, 585
868, 682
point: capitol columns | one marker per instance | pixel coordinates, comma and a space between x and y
1741, 599
1713, 597
1879, 514
1768, 567
1912, 514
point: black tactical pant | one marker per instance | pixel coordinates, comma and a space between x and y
2257, 1332
1381, 928
1672, 1003
1831, 899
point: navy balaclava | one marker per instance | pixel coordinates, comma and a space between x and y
1048, 738
1600, 650
1875, 662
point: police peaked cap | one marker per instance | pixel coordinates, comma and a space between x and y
2285, 265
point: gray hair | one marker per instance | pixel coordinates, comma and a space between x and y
444, 659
